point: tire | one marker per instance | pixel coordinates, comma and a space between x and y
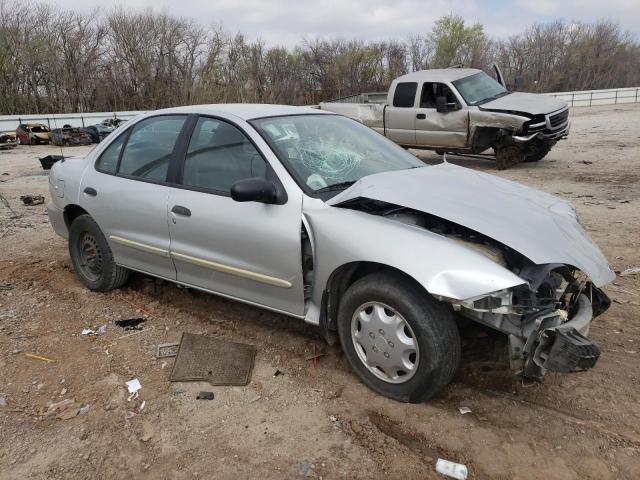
92, 257
431, 328
538, 153
507, 156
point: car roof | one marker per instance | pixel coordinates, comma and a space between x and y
245, 111
438, 75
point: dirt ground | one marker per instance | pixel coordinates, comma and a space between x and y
308, 422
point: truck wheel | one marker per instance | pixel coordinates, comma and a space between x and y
92, 258
399, 340
537, 153
507, 156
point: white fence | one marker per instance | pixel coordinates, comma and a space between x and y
588, 98
585, 98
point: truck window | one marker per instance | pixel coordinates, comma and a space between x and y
405, 94
432, 90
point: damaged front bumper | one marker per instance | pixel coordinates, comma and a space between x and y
548, 136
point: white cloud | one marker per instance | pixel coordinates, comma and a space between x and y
286, 22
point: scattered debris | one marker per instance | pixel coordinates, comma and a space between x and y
630, 271
133, 386
48, 161
38, 357
84, 408
3, 401
180, 390
6, 286
277, 373
451, 469
165, 350
464, 410
142, 405
32, 200
205, 396
586, 162
624, 201
130, 323
98, 331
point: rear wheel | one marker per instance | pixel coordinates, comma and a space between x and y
400, 341
92, 258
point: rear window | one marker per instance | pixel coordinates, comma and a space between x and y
405, 94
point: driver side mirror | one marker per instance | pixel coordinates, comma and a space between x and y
442, 106
255, 189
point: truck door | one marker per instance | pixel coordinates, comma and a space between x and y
400, 116
440, 129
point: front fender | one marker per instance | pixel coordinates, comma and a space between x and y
442, 266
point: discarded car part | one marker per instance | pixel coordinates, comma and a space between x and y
32, 200
205, 396
9, 140
165, 350
48, 161
130, 323
351, 207
69, 137
208, 359
452, 469
33, 133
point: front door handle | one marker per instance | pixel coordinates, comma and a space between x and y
421, 116
90, 191
179, 210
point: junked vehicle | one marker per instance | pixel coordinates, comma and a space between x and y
9, 140
316, 216
464, 110
69, 136
97, 132
33, 133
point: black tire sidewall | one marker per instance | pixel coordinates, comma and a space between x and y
85, 224
432, 324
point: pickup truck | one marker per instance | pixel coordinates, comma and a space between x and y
464, 111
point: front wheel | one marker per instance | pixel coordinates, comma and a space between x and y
92, 258
400, 341
537, 153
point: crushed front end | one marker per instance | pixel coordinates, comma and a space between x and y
547, 319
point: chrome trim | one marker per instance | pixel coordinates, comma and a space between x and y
238, 272
139, 246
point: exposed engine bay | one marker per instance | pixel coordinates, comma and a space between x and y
546, 318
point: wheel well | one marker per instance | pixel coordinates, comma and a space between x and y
484, 138
339, 281
71, 212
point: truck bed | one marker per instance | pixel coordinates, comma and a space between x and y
369, 114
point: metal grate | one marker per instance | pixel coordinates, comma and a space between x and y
558, 119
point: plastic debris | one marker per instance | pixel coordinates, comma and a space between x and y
142, 405
130, 323
84, 408
630, 271
3, 401
205, 396
464, 410
180, 390
98, 331
452, 469
277, 373
134, 386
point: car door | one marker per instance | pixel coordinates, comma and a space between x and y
400, 121
435, 129
245, 250
126, 194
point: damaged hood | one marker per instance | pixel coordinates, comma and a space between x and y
531, 103
539, 226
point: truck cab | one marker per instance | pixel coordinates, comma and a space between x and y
464, 111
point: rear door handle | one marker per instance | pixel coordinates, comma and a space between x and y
179, 210
90, 191
421, 116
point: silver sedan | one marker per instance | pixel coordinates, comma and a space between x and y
316, 216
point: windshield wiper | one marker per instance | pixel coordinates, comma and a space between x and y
335, 186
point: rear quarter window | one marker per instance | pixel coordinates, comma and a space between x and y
108, 161
405, 94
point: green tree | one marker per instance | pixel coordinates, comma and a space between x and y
455, 43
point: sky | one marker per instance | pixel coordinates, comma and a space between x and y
287, 22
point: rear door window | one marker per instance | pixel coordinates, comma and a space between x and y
149, 149
405, 94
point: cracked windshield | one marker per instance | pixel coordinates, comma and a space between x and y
329, 152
